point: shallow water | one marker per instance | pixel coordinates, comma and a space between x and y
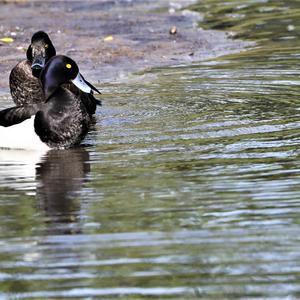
187, 187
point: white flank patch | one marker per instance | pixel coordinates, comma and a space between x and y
21, 136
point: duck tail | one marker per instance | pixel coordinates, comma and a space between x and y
98, 102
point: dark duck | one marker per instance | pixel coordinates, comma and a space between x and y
60, 121
25, 86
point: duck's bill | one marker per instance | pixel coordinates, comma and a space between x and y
37, 65
84, 85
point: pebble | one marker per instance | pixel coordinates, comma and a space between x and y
173, 30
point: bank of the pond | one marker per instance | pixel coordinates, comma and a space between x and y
110, 39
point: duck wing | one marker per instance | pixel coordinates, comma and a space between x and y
15, 115
62, 125
88, 99
24, 87
90, 102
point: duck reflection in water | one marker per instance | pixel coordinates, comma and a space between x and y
60, 177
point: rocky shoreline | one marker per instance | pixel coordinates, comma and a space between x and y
110, 39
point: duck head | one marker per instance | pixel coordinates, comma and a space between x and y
39, 52
61, 69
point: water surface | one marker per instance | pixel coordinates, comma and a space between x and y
187, 187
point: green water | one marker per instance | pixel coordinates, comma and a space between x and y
188, 187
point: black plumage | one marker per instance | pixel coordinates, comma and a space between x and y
62, 120
15, 115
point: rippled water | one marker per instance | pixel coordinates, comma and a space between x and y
188, 186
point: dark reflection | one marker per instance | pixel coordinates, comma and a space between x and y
60, 176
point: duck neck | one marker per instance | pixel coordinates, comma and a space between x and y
49, 89
61, 96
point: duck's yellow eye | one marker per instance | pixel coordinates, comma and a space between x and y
46, 46
68, 66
